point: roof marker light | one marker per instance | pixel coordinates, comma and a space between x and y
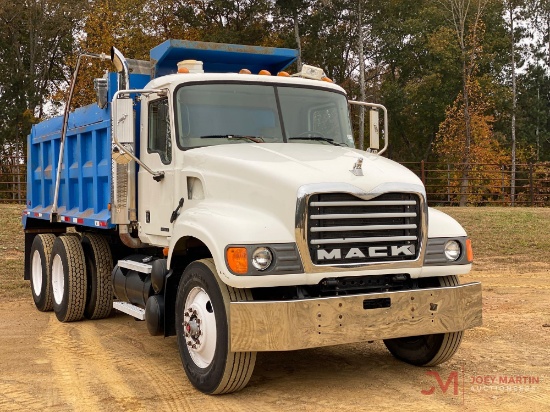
311, 72
245, 71
264, 73
192, 66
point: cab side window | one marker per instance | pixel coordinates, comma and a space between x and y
159, 130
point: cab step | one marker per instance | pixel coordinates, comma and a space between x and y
129, 309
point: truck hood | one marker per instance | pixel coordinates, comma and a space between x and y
251, 190
288, 166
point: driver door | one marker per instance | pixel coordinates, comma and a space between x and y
156, 199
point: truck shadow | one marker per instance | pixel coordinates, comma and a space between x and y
347, 364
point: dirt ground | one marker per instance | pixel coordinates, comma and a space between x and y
114, 364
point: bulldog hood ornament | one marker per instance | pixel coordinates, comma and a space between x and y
358, 167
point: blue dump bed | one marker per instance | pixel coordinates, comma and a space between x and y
85, 184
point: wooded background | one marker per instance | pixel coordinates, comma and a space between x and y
466, 82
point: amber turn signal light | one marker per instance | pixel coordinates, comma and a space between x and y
237, 260
469, 251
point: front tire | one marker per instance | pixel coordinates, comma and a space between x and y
41, 280
202, 311
69, 283
427, 350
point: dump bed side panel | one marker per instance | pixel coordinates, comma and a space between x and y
85, 183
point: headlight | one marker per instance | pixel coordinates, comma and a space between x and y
452, 250
262, 258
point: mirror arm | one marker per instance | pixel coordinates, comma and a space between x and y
158, 176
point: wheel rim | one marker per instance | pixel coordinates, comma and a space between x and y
58, 280
36, 273
199, 326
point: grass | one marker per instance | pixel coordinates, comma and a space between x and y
510, 238
503, 238
12, 247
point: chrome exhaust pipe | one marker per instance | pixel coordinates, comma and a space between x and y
121, 65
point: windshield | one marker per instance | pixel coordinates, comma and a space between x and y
213, 114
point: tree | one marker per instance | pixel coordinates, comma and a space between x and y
512, 6
37, 35
295, 10
228, 21
413, 72
537, 13
360, 47
533, 120
486, 153
466, 18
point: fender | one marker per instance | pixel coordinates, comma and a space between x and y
220, 224
443, 225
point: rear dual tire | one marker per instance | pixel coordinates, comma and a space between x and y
40, 254
69, 281
99, 265
71, 274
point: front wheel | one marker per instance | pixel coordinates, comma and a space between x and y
202, 319
427, 350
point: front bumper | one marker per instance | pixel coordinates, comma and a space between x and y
310, 323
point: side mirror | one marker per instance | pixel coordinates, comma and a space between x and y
374, 145
123, 120
374, 130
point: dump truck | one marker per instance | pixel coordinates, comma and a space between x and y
221, 200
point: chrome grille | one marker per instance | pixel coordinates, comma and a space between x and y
344, 229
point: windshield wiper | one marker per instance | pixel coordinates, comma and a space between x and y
318, 139
254, 139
